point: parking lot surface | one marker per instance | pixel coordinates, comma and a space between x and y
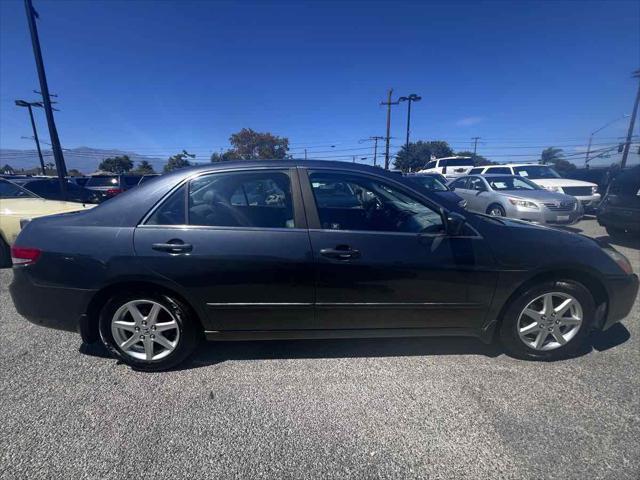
390, 408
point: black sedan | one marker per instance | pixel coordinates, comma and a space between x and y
49, 188
619, 211
287, 249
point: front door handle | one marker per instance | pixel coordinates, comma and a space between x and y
173, 246
340, 253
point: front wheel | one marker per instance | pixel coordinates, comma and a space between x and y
614, 232
148, 331
496, 210
549, 321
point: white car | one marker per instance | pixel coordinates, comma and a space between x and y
547, 178
450, 167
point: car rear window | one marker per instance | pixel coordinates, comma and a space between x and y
459, 162
476, 171
499, 170
103, 182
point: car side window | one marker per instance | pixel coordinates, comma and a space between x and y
357, 202
242, 199
172, 210
499, 170
476, 184
475, 171
431, 164
460, 183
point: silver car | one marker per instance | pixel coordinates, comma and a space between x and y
516, 197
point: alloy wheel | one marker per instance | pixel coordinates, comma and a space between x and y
496, 212
550, 321
145, 330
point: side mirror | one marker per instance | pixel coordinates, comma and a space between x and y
454, 223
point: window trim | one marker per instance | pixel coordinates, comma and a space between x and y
313, 216
299, 219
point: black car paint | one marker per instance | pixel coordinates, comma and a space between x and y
620, 207
272, 283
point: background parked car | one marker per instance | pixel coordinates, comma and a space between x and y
548, 178
436, 183
108, 186
516, 197
450, 167
619, 211
18, 204
49, 188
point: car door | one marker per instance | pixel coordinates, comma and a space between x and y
460, 187
478, 197
237, 243
383, 260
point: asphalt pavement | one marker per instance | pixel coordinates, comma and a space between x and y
383, 408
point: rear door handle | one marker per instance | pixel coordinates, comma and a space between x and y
340, 254
172, 247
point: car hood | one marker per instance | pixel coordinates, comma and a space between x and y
37, 207
561, 182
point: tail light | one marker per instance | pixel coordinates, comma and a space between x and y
114, 191
25, 256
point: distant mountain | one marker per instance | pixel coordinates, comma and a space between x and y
85, 159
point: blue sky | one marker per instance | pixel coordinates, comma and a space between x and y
159, 76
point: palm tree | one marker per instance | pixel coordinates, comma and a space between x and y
551, 155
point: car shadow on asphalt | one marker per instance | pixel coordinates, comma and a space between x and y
213, 353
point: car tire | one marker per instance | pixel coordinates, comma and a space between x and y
5, 254
516, 322
614, 232
138, 340
496, 210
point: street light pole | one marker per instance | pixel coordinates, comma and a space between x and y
587, 159
29, 105
632, 122
411, 98
46, 100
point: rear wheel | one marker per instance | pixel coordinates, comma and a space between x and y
5, 254
549, 321
148, 331
615, 232
496, 210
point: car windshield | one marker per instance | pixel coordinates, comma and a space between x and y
102, 182
430, 183
511, 183
11, 190
536, 171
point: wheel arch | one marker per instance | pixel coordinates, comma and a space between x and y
589, 279
89, 321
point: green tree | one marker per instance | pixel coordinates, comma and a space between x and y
551, 155
144, 168
478, 160
179, 160
248, 144
74, 172
119, 164
554, 156
224, 157
419, 153
7, 169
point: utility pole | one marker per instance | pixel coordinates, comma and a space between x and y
46, 100
475, 147
305, 153
632, 122
29, 105
388, 103
375, 147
